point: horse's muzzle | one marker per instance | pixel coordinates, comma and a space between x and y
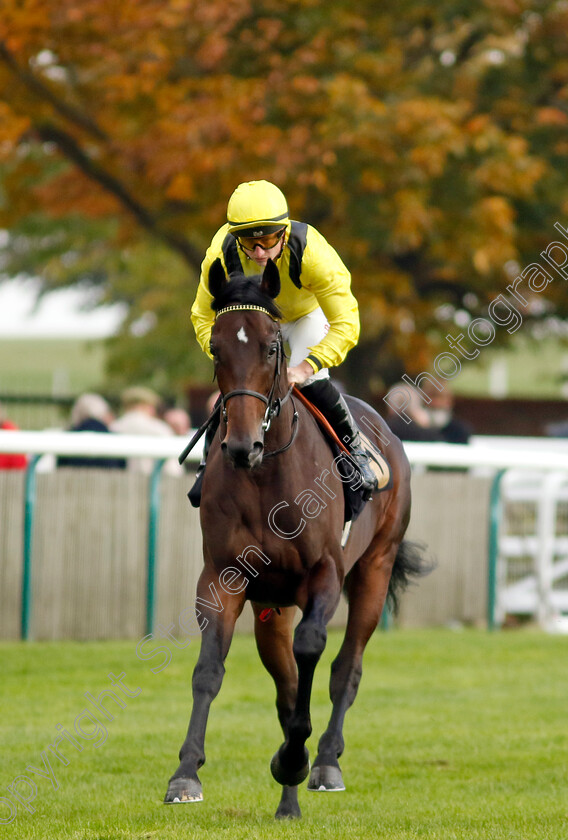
243, 454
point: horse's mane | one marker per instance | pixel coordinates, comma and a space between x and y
245, 290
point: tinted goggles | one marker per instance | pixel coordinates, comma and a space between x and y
265, 243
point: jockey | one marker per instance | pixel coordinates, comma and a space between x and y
320, 314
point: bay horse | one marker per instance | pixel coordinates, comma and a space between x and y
272, 518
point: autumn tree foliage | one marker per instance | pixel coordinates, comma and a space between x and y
428, 142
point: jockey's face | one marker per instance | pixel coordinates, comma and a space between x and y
263, 248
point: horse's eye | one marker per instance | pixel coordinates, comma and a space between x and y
272, 350
213, 350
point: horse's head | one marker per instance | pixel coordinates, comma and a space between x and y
246, 344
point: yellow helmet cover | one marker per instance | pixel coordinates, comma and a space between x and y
257, 208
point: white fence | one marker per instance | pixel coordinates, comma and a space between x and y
494, 453
62, 559
532, 570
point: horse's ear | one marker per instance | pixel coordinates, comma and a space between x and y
217, 278
270, 283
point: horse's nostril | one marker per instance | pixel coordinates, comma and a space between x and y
255, 454
242, 453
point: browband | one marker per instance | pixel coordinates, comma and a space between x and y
246, 307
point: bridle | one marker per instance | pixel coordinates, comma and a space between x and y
273, 404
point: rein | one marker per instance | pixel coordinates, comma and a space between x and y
199, 433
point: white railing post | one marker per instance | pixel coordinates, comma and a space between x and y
546, 552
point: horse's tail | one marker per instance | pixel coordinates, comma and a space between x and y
409, 563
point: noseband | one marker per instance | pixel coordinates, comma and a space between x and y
273, 405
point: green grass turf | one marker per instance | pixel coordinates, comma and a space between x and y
533, 371
453, 735
29, 365
60, 367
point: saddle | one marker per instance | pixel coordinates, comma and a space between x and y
354, 501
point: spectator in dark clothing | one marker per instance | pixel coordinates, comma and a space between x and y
441, 416
558, 430
91, 413
407, 417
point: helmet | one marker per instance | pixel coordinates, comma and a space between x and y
257, 208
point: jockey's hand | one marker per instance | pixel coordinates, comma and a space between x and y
297, 375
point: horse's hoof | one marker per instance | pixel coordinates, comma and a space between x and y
293, 813
181, 791
288, 809
286, 776
326, 778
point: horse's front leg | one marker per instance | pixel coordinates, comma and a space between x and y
217, 623
290, 765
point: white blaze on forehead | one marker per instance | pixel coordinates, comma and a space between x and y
242, 336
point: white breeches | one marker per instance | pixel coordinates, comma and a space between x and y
304, 334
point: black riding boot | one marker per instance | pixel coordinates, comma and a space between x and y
330, 402
194, 494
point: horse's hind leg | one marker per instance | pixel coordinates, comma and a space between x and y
367, 587
274, 642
